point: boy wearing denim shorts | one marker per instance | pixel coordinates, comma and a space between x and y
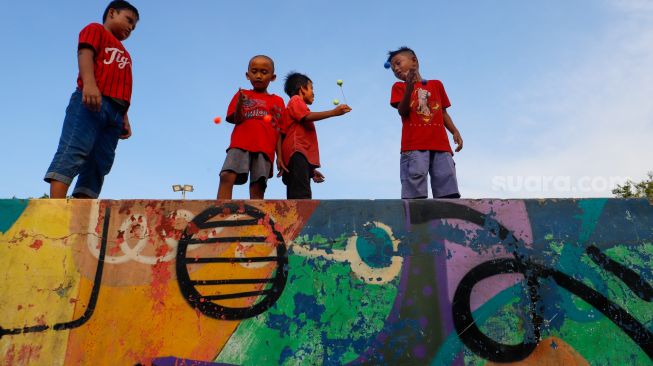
256, 115
96, 117
425, 149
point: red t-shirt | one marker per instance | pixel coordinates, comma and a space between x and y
423, 129
254, 134
300, 135
113, 65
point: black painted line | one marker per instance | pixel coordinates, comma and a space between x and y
95, 292
237, 295
636, 283
236, 281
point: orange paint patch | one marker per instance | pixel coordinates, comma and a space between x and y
551, 351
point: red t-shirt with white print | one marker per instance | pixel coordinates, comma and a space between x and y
300, 135
254, 134
423, 129
113, 65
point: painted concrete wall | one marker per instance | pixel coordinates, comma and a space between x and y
326, 282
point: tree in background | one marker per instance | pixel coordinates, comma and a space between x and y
631, 189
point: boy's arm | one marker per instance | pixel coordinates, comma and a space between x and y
91, 96
337, 111
404, 105
237, 117
126, 128
281, 167
448, 123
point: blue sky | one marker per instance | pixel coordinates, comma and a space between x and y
552, 98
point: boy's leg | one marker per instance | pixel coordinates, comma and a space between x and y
78, 136
413, 172
260, 169
100, 160
444, 183
298, 178
234, 171
257, 189
227, 181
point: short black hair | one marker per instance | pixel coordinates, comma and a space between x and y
294, 82
262, 56
399, 50
119, 5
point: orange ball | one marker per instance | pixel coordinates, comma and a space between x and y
217, 120
267, 118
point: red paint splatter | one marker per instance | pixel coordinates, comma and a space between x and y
160, 277
20, 307
27, 353
10, 355
37, 244
73, 301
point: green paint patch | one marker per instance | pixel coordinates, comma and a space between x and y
10, 211
324, 316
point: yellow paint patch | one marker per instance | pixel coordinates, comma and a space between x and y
41, 278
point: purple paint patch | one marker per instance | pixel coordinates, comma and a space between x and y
427, 291
423, 322
419, 351
174, 361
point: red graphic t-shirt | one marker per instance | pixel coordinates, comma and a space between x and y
300, 136
254, 134
113, 65
423, 129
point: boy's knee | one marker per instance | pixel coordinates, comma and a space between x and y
228, 177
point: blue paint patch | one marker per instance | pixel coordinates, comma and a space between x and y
10, 211
306, 305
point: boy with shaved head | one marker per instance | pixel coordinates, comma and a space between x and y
256, 115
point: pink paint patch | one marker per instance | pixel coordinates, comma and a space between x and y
37, 244
461, 258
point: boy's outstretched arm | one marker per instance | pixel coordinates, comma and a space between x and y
337, 111
448, 123
91, 96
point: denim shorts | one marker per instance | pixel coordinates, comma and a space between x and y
416, 165
87, 145
243, 162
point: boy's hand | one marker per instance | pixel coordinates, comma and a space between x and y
91, 97
458, 140
126, 128
341, 109
318, 177
281, 167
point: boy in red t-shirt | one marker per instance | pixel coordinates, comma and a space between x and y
96, 116
425, 149
256, 114
298, 152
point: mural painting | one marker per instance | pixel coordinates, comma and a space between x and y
382, 282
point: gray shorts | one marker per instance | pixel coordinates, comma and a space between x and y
243, 162
416, 165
